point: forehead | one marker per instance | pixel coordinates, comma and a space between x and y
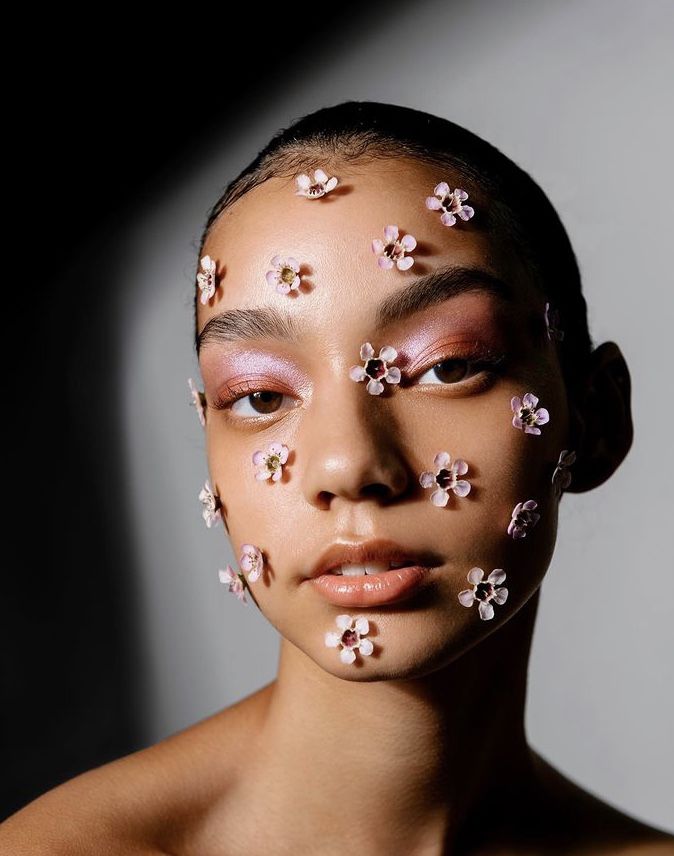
332, 236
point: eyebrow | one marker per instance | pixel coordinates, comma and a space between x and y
267, 322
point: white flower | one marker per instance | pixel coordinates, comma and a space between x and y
198, 401
206, 279
234, 581
445, 478
212, 507
350, 638
484, 592
375, 369
319, 187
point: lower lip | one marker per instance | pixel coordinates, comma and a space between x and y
371, 589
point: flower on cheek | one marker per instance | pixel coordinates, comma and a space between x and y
350, 638
445, 479
552, 322
206, 279
285, 275
251, 561
230, 577
198, 400
212, 511
561, 478
450, 202
270, 463
319, 187
526, 416
392, 251
523, 518
375, 369
485, 592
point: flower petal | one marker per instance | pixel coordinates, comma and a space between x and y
391, 233
385, 263
440, 498
441, 460
466, 597
347, 655
486, 610
366, 351
343, 621
331, 184
530, 400
441, 189
433, 203
320, 176
362, 625
405, 263
461, 488
332, 639
409, 242
259, 458
475, 575
393, 375
375, 387
366, 647
377, 246
515, 403
501, 594
448, 219
303, 181
460, 467
388, 353
496, 576
357, 373
427, 479
542, 416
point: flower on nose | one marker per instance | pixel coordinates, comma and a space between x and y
230, 577
251, 561
350, 637
198, 401
552, 322
392, 250
523, 518
212, 505
376, 369
270, 463
316, 188
485, 592
450, 202
526, 416
561, 478
445, 478
285, 275
206, 279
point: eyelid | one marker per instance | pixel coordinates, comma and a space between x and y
473, 353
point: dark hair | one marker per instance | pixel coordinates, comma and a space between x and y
356, 131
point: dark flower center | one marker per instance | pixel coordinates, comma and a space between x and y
393, 250
349, 638
375, 369
287, 275
527, 415
445, 478
484, 591
273, 462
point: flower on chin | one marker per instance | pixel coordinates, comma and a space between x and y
316, 188
523, 518
445, 479
485, 591
251, 561
198, 401
526, 416
230, 577
450, 202
350, 637
270, 463
212, 505
375, 369
285, 275
206, 279
392, 250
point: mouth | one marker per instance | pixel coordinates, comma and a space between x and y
356, 570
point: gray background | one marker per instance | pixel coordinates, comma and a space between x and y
579, 94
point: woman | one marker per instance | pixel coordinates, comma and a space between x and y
399, 386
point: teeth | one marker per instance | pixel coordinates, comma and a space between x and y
353, 570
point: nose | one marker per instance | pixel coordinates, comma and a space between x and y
351, 448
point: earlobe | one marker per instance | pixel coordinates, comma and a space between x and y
601, 419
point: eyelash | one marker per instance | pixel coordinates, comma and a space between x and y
480, 361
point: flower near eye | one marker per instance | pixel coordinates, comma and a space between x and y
316, 188
251, 561
552, 322
212, 506
561, 477
392, 250
526, 416
445, 479
484, 592
198, 401
230, 577
285, 275
270, 463
206, 279
450, 202
376, 369
523, 518
350, 639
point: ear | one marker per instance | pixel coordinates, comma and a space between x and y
601, 419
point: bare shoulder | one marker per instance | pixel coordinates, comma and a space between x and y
142, 804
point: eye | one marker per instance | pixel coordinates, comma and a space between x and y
447, 371
245, 401
454, 371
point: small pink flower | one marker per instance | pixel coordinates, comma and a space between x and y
450, 202
251, 561
350, 637
285, 276
551, 322
484, 592
235, 581
523, 517
561, 477
212, 505
445, 479
319, 187
270, 463
206, 279
526, 416
393, 250
375, 369
198, 401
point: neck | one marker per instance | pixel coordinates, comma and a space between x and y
388, 761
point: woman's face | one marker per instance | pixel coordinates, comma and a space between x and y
355, 458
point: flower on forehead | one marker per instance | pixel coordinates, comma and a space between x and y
350, 637
375, 369
206, 279
285, 276
552, 322
526, 416
212, 511
445, 479
198, 401
270, 463
450, 202
561, 477
392, 251
235, 582
485, 592
251, 561
523, 517
316, 188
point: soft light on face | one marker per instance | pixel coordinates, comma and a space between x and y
354, 459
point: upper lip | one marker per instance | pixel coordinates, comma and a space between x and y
361, 552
